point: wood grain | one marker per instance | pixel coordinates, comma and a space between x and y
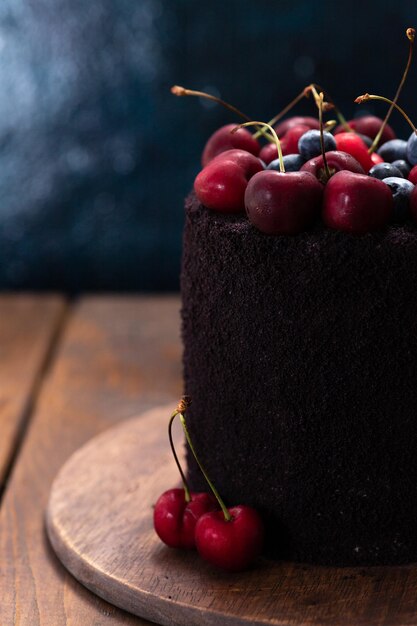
118, 356
100, 523
28, 325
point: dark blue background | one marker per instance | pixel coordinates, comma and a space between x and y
96, 156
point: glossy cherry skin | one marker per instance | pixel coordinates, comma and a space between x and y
175, 520
232, 545
412, 176
223, 139
289, 144
336, 161
221, 185
356, 203
354, 145
297, 120
369, 125
282, 203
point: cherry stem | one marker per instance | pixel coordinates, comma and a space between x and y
181, 408
338, 112
274, 135
323, 152
367, 96
410, 33
284, 111
222, 505
177, 90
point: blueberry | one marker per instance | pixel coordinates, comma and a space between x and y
401, 190
309, 144
403, 166
412, 149
393, 150
292, 163
383, 170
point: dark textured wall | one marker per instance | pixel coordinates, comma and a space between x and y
96, 156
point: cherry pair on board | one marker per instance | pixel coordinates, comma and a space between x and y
230, 538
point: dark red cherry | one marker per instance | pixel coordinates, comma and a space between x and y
230, 544
298, 120
356, 203
368, 125
223, 140
282, 203
175, 519
221, 185
336, 161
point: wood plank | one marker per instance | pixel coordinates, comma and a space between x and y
100, 523
28, 325
118, 356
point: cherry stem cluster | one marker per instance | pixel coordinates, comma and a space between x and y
410, 33
368, 96
283, 112
180, 408
222, 505
323, 151
177, 90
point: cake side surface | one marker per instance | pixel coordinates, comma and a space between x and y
300, 355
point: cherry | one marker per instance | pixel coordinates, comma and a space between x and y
336, 161
175, 518
354, 145
222, 140
221, 185
412, 176
282, 203
376, 158
177, 510
356, 203
230, 544
231, 538
283, 127
368, 125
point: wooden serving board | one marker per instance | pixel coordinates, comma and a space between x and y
99, 521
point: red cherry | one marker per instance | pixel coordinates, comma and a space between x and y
369, 125
297, 120
289, 144
280, 203
356, 203
223, 140
174, 518
376, 158
221, 185
336, 161
230, 544
412, 177
354, 145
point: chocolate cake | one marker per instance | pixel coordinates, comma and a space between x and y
300, 355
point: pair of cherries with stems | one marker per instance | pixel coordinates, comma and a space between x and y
230, 538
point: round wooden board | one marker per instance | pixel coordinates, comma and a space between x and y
99, 521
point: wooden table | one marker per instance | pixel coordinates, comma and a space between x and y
67, 372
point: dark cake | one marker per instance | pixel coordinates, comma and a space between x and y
301, 360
